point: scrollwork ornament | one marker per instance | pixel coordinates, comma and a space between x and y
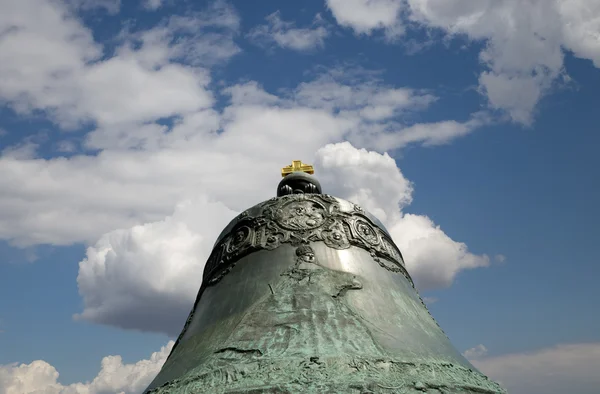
239, 239
392, 250
301, 219
366, 232
300, 215
334, 236
273, 236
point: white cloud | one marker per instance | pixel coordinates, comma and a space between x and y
110, 6
52, 64
476, 352
152, 5
197, 38
427, 134
432, 257
524, 40
132, 276
370, 179
42, 46
581, 28
500, 258
374, 181
365, 95
40, 377
93, 194
286, 35
146, 277
523, 54
66, 146
365, 16
21, 151
557, 370
208, 164
142, 94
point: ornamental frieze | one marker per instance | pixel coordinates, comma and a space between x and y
300, 219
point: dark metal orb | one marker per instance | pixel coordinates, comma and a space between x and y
298, 183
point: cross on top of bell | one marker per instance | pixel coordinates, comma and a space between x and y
297, 166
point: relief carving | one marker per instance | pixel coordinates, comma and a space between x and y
253, 373
300, 215
366, 232
240, 238
392, 250
299, 219
336, 236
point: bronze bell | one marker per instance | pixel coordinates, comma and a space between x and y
307, 293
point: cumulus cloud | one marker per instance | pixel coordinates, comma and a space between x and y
365, 16
475, 352
54, 65
350, 91
21, 151
580, 28
203, 151
432, 257
557, 370
368, 178
379, 112
41, 41
146, 277
110, 6
114, 376
152, 5
286, 35
562, 369
167, 169
523, 55
374, 181
427, 134
145, 259
203, 38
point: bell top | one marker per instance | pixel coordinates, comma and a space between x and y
306, 292
298, 179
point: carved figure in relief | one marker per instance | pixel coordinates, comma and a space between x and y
305, 314
300, 219
301, 215
366, 232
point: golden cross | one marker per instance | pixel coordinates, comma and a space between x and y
297, 165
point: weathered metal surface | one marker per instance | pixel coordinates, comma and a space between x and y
298, 183
307, 293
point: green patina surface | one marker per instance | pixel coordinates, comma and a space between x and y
313, 332
337, 375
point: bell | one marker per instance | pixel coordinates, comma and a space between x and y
307, 293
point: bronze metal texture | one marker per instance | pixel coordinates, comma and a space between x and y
307, 293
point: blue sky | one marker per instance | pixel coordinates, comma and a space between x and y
125, 151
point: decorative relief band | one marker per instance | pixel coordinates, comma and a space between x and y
338, 375
299, 219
